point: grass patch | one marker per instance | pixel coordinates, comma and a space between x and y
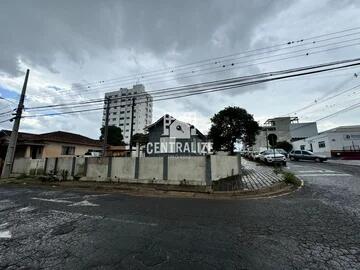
290, 178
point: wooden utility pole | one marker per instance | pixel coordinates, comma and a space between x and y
132, 124
9, 159
106, 128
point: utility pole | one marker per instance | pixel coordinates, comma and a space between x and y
10, 153
132, 124
106, 128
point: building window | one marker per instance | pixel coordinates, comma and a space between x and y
322, 144
68, 150
302, 147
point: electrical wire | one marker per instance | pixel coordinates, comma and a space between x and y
223, 68
211, 60
208, 90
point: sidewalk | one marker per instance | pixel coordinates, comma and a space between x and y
257, 176
344, 162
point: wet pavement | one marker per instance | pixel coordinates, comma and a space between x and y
316, 227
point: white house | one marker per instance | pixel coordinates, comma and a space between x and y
333, 142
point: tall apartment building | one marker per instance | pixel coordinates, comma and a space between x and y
120, 110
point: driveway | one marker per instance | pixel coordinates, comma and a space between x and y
316, 227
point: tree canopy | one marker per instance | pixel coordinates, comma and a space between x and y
115, 136
232, 124
284, 145
139, 138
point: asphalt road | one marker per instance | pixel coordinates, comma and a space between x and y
316, 227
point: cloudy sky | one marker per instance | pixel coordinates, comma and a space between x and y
77, 50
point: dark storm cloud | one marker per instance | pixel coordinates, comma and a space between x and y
38, 31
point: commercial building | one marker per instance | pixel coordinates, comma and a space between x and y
171, 136
121, 110
343, 141
283, 129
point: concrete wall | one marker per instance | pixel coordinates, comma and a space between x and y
196, 170
122, 168
151, 168
21, 165
97, 169
224, 166
28, 166
190, 169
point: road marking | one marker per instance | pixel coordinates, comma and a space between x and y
128, 221
5, 234
51, 200
316, 171
26, 209
323, 174
83, 203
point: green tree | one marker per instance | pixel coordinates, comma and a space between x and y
139, 138
232, 124
115, 136
284, 145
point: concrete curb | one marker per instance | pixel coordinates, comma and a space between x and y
155, 191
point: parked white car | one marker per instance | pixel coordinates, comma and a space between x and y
272, 156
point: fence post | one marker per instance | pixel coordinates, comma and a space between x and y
137, 165
165, 167
45, 165
73, 166
239, 163
109, 168
208, 179
55, 166
85, 166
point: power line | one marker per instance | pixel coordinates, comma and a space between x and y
211, 60
230, 66
214, 89
321, 100
205, 84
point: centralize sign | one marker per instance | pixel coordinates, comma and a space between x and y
201, 148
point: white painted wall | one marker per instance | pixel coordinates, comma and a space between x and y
97, 169
191, 169
151, 168
187, 168
223, 166
122, 169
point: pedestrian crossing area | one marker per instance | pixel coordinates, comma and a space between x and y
301, 172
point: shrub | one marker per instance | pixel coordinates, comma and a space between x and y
277, 170
22, 176
64, 175
290, 178
36, 172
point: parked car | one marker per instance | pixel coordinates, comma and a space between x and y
272, 156
306, 155
257, 157
253, 154
282, 151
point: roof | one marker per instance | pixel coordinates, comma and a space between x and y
160, 120
56, 136
353, 128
